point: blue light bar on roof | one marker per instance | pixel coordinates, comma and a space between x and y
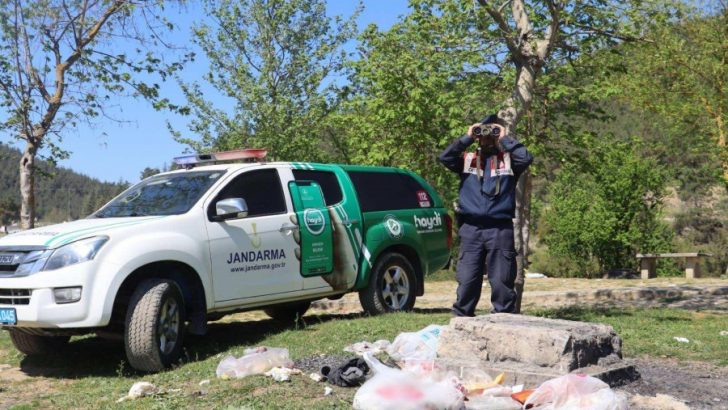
189, 161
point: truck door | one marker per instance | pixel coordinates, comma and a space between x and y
253, 258
316, 235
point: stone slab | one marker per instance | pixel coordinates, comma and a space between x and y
615, 375
532, 350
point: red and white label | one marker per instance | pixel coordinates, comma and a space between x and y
423, 198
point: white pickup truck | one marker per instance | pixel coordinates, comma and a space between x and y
188, 246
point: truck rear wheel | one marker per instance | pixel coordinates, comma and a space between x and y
289, 312
35, 345
154, 329
391, 286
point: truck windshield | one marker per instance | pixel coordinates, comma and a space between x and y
171, 194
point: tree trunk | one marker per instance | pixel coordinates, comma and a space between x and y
522, 233
27, 185
513, 109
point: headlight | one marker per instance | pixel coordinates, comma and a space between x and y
75, 252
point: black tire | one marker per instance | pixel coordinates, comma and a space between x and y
289, 312
35, 345
392, 279
146, 335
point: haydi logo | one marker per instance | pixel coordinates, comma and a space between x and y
314, 221
428, 223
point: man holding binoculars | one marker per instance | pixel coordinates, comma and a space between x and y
486, 207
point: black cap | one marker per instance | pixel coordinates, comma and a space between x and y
491, 119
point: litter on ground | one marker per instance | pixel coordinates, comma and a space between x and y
350, 374
254, 361
681, 339
282, 374
360, 348
138, 390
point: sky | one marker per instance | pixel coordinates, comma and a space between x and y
114, 151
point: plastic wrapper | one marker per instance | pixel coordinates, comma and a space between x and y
418, 346
576, 392
492, 403
255, 361
363, 347
394, 389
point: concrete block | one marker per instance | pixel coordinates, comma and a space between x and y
532, 350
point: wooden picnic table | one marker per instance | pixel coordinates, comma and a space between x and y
648, 263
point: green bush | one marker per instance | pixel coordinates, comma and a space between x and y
603, 209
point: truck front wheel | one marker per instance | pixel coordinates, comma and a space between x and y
35, 345
391, 286
154, 328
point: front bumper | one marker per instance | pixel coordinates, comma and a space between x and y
41, 310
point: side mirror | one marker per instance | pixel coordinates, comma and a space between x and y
231, 208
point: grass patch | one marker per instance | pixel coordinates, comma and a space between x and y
650, 332
443, 275
92, 372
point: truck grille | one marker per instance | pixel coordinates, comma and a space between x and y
15, 296
12, 257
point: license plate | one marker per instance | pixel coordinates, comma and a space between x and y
8, 317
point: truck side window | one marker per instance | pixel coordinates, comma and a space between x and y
381, 191
327, 180
260, 189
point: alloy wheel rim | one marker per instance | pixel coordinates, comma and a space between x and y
395, 287
168, 328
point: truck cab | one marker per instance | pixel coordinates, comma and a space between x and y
191, 245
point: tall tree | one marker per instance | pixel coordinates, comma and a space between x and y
541, 34
279, 61
59, 64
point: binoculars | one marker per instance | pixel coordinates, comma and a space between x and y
485, 130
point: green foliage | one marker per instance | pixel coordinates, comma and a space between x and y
680, 78
279, 62
605, 208
418, 86
9, 211
705, 228
61, 194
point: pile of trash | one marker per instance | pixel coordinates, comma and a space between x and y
413, 378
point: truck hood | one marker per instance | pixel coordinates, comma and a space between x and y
54, 236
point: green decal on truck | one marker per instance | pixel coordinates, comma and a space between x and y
316, 232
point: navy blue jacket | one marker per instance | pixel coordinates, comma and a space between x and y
486, 198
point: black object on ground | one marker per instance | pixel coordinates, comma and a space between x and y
351, 374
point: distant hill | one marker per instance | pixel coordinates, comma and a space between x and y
61, 194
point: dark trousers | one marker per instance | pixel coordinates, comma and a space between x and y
488, 244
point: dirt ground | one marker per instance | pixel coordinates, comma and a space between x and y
698, 385
709, 295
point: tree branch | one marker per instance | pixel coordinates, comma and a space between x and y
503, 26
612, 34
544, 47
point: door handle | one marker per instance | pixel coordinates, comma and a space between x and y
288, 228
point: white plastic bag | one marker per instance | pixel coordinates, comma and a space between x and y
393, 389
576, 392
420, 345
492, 403
255, 361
